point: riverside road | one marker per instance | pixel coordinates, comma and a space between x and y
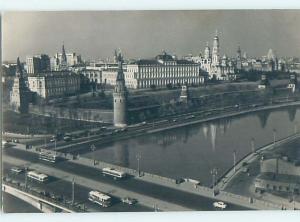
184, 199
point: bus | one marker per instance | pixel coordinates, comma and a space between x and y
99, 198
48, 156
40, 177
113, 172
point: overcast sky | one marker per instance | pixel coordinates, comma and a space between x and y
144, 34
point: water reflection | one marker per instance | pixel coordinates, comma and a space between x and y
121, 154
292, 113
263, 117
213, 132
192, 151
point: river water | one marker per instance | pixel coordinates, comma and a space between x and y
193, 151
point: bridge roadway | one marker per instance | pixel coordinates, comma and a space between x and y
147, 193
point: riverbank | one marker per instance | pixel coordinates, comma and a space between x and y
227, 115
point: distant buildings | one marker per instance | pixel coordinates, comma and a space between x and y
38, 63
214, 65
20, 94
54, 84
161, 71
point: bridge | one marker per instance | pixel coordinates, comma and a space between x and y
44, 204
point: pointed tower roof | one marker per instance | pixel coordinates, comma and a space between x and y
63, 54
19, 71
120, 75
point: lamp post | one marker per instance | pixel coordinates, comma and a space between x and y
252, 145
274, 137
73, 190
234, 160
138, 157
93, 148
214, 173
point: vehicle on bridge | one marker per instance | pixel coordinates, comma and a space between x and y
220, 205
99, 198
116, 174
67, 138
40, 177
129, 200
48, 156
16, 170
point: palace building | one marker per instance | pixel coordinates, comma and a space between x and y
161, 71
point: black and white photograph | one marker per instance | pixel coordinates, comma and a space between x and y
150, 111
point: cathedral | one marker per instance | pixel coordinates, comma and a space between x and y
215, 66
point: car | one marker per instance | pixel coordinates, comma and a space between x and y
16, 170
52, 140
67, 138
220, 204
129, 200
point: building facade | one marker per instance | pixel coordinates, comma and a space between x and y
54, 84
38, 63
161, 71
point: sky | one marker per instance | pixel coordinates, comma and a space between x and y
144, 34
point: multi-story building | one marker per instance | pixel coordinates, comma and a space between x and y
161, 71
38, 63
54, 84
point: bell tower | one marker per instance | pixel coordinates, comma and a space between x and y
216, 50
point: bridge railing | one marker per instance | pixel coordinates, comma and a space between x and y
61, 204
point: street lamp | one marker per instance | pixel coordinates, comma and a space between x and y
274, 136
93, 148
214, 173
73, 190
234, 160
252, 145
138, 157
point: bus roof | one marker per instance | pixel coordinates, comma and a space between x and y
99, 194
42, 175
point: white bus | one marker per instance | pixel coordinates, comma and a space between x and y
113, 172
99, 198
40, 177
48, 156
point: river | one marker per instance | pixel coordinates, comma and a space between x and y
193, 151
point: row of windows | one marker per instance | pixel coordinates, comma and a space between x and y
159, 75
169, 69
163, 82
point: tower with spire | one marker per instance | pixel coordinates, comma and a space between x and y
120, 96
19, 98
216, 51
239, 59
63, 60
207, 52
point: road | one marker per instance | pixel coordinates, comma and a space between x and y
188, 200
63, 188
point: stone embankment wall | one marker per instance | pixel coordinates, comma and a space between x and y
92, 115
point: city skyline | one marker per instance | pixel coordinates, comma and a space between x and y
271, 28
